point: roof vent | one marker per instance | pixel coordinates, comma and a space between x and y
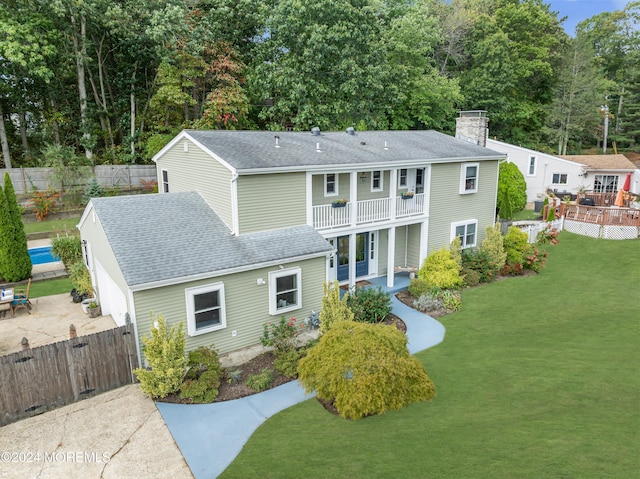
351, 131
277, 141
315, 131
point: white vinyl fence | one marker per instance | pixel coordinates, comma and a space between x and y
533, 228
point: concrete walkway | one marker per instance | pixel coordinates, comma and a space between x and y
210, 436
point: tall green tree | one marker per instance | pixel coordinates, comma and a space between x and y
574, 112
513, 52
18, 261
323, 64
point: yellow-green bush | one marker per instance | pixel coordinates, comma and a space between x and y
165, 354
203, 377
333, 309
364, 369
440, 270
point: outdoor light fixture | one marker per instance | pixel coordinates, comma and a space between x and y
363, 177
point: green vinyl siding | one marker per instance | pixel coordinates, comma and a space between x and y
383, 247
317, 189
267, 202
246, 302
92, 232
364, 188
413, 245
448, 206
194, 170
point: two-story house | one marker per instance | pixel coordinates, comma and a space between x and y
248, 225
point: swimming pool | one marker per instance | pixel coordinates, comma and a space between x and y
42, 255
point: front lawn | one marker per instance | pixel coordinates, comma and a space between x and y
537, 377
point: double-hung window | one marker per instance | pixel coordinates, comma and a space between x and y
466, 231
469, 178
376, 180
205, 309
532, 166
402, 178
285, 290
165, 181
330, 184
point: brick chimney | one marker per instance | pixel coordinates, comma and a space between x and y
473, 126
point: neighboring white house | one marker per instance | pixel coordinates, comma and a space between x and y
568, 174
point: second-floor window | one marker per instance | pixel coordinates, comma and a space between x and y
532, 166
376, 181
559, 179
330, 184
469, 178
165, 181
402, 178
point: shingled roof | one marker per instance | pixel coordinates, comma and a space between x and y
259, 150
177, 237
602, 162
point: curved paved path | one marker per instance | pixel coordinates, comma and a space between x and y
210, 436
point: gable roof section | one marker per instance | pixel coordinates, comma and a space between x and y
602, 162
170, 238
501, 145
256, 151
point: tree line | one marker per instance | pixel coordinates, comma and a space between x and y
111, 81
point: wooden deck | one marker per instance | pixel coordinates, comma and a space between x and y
602, 215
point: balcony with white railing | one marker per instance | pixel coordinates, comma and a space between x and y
368, 211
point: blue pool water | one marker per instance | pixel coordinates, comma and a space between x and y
42, 255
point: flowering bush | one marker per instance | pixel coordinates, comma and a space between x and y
535, 260
280, 335
548, 236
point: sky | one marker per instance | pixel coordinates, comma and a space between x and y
578, 10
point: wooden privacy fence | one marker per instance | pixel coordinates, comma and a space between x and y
44, 378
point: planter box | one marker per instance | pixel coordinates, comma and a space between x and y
338, 205
95, 312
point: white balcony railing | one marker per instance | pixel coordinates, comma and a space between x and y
368, 211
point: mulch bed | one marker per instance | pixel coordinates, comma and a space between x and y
235, 390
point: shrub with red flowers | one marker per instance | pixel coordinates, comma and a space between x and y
535, 259
548, 236
281, 335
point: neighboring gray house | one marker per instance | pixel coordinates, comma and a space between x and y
245, 223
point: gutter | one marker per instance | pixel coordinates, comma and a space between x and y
225, 272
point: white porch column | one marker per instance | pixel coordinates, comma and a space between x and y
352, 260
424, 241
391, 253
353, 197
393, 192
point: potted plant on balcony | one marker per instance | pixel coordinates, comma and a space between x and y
407, 195
340, 203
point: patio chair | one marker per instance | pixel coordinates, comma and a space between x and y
21, 299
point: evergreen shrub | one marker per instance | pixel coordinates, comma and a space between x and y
364, 369
333, 309
369, 305
164, 351
203, 376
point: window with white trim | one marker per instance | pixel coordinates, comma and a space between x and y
165, 181
402, 178
559, 179
469, 178
533, 161
285, 290
376, 180
205, 309
330, 184
605, 183
466, 231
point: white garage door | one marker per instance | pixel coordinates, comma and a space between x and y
112, 299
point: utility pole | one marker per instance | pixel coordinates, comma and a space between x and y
605, 109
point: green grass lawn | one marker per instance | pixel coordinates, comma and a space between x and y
537, 377
61, 225
524, 215
49, 287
